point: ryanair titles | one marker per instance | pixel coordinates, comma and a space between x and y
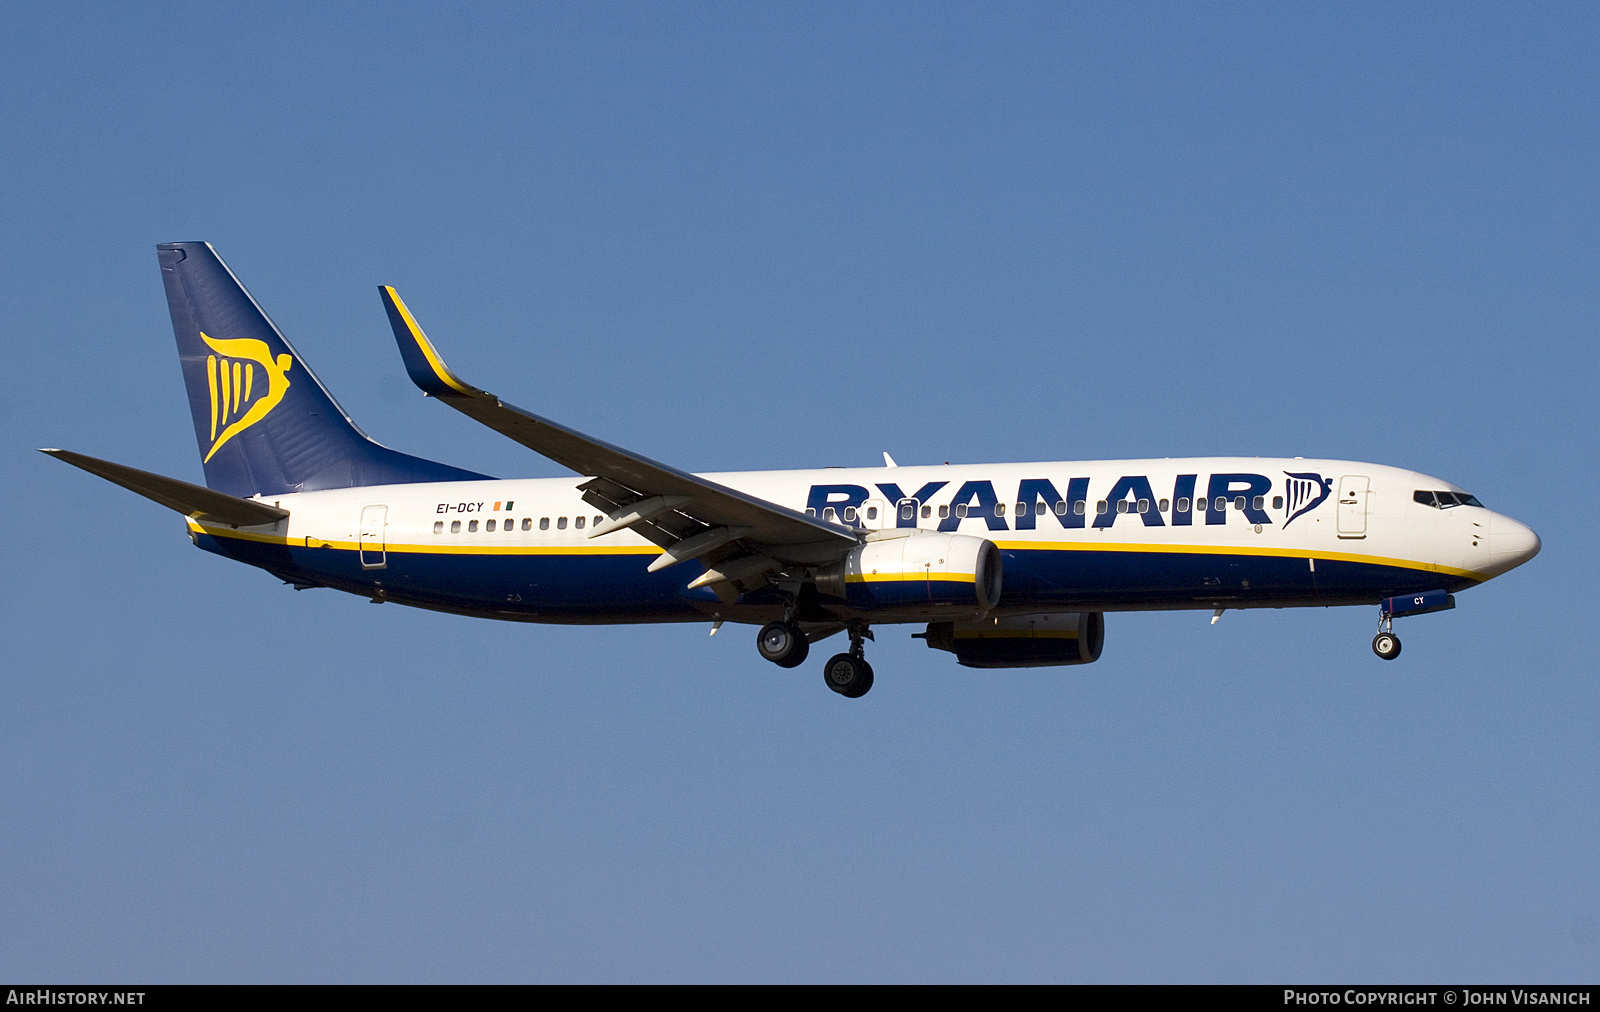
1131, 498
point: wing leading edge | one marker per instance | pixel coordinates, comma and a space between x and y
686, 515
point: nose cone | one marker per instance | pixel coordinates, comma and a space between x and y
1510, 544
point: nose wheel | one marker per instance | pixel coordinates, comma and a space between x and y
849, 674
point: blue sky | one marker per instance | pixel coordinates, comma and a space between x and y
739, 237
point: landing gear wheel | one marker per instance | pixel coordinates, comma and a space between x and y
848, 676
1386, 645
783, 644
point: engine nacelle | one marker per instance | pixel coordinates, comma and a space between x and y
1022, 641
927, 571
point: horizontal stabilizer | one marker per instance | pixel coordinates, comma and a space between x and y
191, 500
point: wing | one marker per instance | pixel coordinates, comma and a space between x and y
686, 515
190, 500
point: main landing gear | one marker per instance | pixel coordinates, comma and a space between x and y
848, 674
783, 644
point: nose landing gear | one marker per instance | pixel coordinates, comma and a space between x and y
1386, 644
849, 674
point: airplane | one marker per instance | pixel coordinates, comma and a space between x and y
1004, 565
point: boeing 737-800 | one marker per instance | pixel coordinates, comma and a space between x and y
1006, 565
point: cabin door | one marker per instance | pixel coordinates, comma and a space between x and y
373, 520
1353, 495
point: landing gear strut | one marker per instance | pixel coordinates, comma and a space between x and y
849, 674
783, 644
1386, 644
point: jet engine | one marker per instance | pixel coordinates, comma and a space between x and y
925, 572
1021, 641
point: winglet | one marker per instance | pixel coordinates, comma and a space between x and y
423, 363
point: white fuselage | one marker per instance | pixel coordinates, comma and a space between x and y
1075, 535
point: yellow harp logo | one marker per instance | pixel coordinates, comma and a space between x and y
231, 376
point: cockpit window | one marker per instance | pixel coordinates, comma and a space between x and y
1443, 500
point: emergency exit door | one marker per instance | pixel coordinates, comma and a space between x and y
373, 520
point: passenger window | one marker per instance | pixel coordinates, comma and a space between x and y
1122, 505
527, 523
544, 523
1144, 505
1080, 507
561, 523
1162, 506
1258, 502
438, 527
1277, 502
849, 513
597, 521
961, 510
927, 511
578, 522
455, 527
1100, 507
827, 513
1183, 505
1061, 508
907, 511
1238, 502
872, 512
944, 511
489, 526
1219, 504
472, 525
811, 511
1022, 509
999, 509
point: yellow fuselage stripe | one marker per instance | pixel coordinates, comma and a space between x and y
1281, 553
1035, 546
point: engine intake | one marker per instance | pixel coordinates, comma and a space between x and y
1022, 641
918, 572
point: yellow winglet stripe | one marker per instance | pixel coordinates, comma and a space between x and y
426, 347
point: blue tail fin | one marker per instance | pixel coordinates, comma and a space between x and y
265, 425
